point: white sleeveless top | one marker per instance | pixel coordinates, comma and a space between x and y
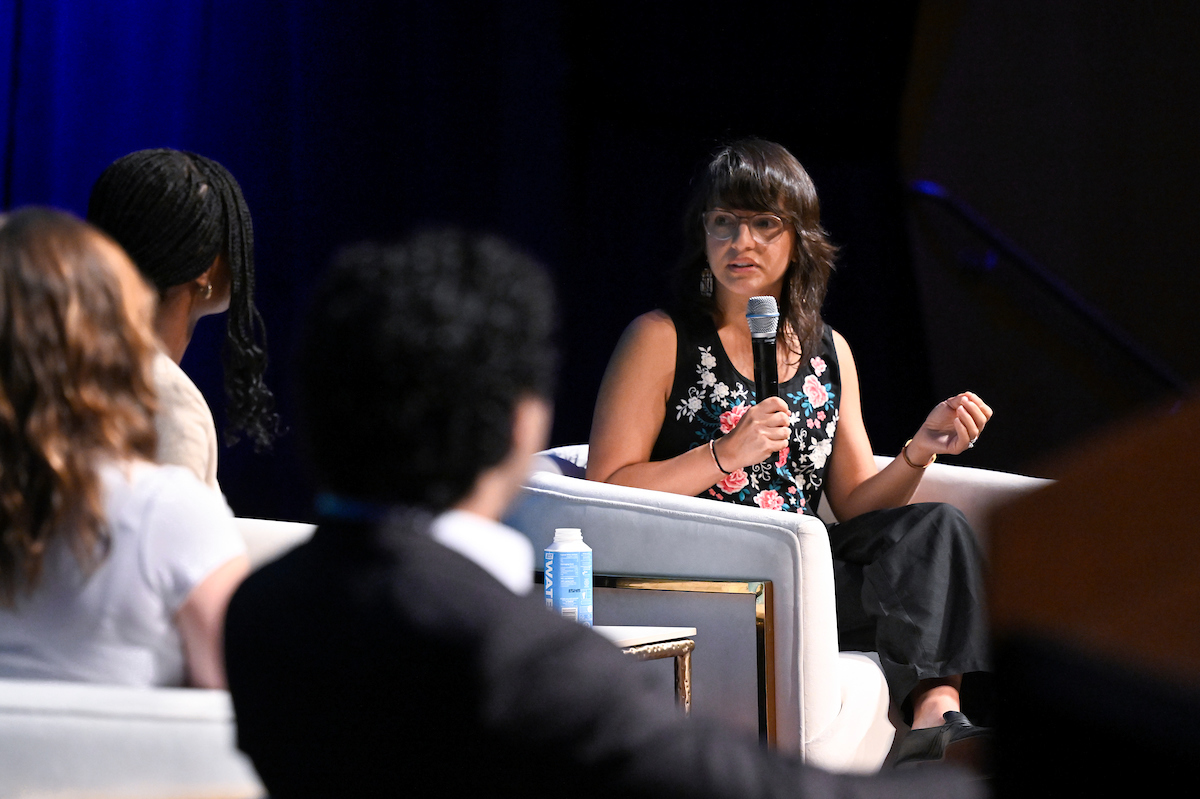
169, 532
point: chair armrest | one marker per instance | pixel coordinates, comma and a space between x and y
267, 539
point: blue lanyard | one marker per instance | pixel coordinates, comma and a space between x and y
335, 506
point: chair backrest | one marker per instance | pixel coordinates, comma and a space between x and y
76, 739
569, 461
650, 533
975, 492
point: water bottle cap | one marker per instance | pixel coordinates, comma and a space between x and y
568, 534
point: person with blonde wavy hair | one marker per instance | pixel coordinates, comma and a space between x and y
113, 569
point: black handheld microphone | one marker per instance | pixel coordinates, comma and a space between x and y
763, 315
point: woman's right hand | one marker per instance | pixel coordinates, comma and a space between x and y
762, 431
631, 408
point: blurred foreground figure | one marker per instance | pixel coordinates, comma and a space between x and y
112, 569
401, 646
1096, 615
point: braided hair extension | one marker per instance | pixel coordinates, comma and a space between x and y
174, 212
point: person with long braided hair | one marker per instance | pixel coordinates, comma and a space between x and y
113, 569
183, 221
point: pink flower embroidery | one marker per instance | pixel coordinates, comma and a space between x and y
734, 482
769, 499
821, 415
816, 393
783, 456
818, 365
731, 417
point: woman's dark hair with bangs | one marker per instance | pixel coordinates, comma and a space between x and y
759, 175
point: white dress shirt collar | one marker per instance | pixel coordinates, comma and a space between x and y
501, 551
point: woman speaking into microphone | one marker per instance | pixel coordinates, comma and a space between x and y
678, 412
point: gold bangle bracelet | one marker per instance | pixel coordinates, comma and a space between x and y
904, 452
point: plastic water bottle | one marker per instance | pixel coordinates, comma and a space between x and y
569, 575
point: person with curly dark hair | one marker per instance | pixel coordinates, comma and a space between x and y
112, 569
678, 412
402, 646
407, 380
183, 220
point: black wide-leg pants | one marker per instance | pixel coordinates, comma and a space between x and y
909, 586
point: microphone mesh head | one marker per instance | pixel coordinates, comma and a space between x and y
763, 315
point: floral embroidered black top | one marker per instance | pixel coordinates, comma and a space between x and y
709, 396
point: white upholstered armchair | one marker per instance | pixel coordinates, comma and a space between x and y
829, 707
80, 739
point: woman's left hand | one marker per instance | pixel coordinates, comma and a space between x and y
951, 427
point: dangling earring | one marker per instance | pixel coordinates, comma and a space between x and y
706, 282
206, 292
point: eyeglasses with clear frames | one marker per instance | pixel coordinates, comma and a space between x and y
723, 225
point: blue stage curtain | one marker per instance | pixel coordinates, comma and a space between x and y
572, 129
339, 119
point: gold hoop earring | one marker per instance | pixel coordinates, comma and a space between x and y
706, 282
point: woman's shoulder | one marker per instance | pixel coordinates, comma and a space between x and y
836, 343
652, 333
179, 398
153, 498
656, 323
682, 322
644, 359
146, 478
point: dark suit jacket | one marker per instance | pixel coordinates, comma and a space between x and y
373, 660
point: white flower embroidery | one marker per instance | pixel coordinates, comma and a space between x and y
707, 379
707, 361
820, 452
832, 426
720, 392
690, 405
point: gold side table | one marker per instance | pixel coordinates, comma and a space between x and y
655, 643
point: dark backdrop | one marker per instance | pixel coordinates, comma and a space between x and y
576, 132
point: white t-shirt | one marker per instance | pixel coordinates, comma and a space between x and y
116, 625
